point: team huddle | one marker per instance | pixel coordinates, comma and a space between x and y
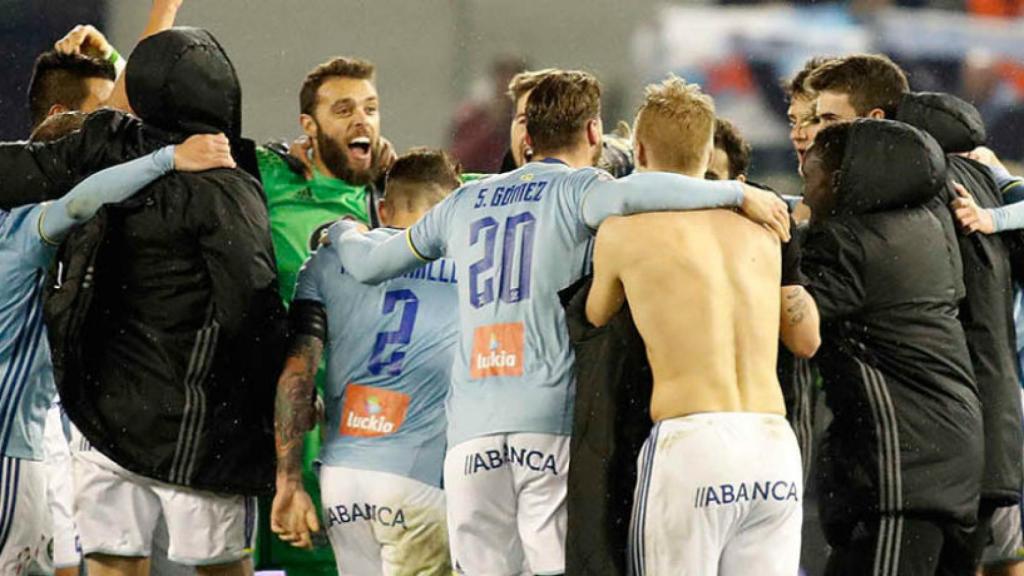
599, 361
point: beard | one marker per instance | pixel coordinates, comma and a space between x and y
335, 158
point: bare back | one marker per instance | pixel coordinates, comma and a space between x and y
703, 288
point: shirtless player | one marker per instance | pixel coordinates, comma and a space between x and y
720, 477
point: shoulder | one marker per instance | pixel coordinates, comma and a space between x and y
275, 170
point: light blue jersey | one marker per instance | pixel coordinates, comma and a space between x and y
28, 237
26, 376
517, 239
389, 357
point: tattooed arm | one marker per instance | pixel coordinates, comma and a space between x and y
798, 325
293, 517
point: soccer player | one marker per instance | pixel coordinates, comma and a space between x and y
390, 351
28, 239
516, 240
720, 477
519, 92
873, 86
340, 115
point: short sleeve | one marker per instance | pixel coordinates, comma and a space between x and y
21, 228
307, 286
578, 187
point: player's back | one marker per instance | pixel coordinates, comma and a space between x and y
389, 356
517, 238
703, 288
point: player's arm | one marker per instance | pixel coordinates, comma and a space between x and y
377, 256
36, 172
661, 191
799, 323
607, 295
293, 516
118, 183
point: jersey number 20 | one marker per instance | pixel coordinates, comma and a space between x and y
514, 266
391, 364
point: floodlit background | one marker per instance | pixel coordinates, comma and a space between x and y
441, 62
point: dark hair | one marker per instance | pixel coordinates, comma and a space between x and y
871, 81
339, 67
830, 145
431, 173
729, 140
559, 107
796, 86
58, 126
60, 79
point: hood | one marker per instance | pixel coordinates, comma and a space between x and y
888, 165
954, 123
182, 81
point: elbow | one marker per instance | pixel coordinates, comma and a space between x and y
79, 209
806, 347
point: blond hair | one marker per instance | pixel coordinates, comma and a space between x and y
675, 124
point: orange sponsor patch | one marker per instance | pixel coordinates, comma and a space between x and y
370, 412
497, 351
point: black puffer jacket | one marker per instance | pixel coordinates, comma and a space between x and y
987, 311
167, 330
885, 273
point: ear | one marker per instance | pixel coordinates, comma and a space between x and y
386, 212
742, 178
309, 127
56, 109
529, 141
594, 132
877, 114
641, 155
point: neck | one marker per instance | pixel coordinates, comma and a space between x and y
578, 157
403, 220
655, 167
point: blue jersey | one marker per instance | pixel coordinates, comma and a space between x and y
517, 239
26, 376
389, 357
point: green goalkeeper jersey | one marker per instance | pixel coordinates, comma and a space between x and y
299, 209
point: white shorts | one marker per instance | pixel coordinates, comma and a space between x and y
59, 492
117, 513
718, 493
506, 503
24, 518
384, 524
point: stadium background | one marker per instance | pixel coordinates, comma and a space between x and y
441, 62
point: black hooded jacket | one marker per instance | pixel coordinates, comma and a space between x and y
987, 311
167, 330
885, 273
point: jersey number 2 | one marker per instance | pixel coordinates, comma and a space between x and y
391, 364
515, 264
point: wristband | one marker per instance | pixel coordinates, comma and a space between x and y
119, 62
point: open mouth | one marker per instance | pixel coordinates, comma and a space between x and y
359, 147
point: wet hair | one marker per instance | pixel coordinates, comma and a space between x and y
339, 67
796, 87
675, 122
58, 126
427, 176
729, 140
525, 81
559, 108
870, 80
61, 79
